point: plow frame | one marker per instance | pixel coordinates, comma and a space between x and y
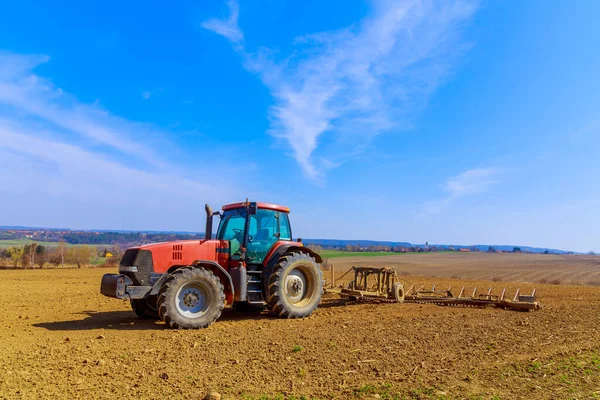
359, 288
386, 277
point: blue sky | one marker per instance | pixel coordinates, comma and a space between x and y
441, 121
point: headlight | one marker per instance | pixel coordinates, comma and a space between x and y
127, 269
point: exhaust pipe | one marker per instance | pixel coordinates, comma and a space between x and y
209, 222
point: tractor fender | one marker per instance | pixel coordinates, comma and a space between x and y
212, 266
277, 254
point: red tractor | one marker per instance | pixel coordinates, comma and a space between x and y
252, 262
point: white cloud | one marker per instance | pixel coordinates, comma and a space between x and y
358, 81
470, 182
227, 27
64, 162
29, 96
467, 183
146, 94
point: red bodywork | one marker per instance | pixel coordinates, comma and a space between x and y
168, 255
186, 252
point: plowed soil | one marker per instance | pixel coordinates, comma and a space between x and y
505, 267
59, 338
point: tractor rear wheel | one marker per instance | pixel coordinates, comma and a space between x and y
191, 298
143, 309
295, 286
398, 292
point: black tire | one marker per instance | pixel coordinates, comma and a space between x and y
398, 292
192, 298
144, 309
295, 286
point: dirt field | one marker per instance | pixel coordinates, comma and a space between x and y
505, 267
59, 338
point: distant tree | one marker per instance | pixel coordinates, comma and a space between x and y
4, 257
591, 253
41, 260
546, 252
62, 248
29, 252
80, 255
315, 247
491, 249
517, 250
16, 254
55, 258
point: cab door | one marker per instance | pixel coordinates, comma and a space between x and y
265, 229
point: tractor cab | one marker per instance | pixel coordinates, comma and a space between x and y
255, 228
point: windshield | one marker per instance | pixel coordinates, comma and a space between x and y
264, 229
232, 228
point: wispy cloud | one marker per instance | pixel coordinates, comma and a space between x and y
146, 94
227, 27
467, 183
358, 81
25, 94
69, 158
470, 182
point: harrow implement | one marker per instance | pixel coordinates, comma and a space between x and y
446, 298
381, 285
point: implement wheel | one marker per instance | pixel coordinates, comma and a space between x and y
144, 309
192, 298
295, 286
398, 292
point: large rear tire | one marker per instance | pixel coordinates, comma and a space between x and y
143, 309
295, 286
191, 298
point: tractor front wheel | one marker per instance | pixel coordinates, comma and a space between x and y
191, 298
295, 286
143, 309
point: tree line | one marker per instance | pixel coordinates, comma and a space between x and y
124, 239
35, 255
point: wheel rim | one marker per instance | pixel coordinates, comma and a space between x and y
192, 300
299, 286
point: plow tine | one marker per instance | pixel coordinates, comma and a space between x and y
433, 288
502, 296
489, 291
474, 291
516, 295
533, 293
461, 292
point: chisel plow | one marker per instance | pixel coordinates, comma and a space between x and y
382, 285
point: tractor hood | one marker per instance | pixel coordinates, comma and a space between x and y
141, 262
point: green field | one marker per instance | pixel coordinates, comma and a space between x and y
23, 242
340, 253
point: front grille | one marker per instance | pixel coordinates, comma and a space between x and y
129, 257
142, 260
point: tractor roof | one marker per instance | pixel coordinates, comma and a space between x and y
268, 206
